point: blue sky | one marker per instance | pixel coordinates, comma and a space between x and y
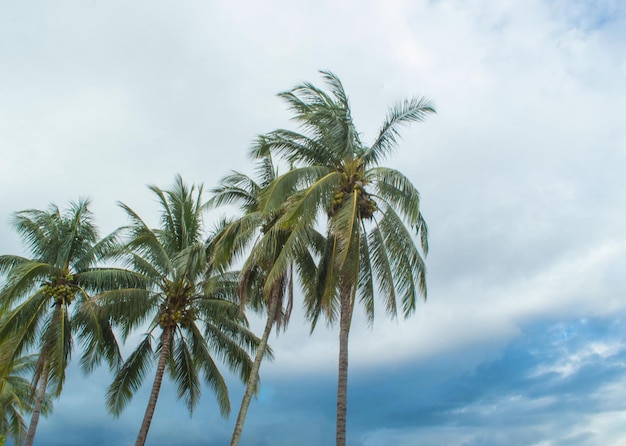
521, 175
558, 381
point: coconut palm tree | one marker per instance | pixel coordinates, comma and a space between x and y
16, 398
257, 229
372, 213
188, 308
47, 297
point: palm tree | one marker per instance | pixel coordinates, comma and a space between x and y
256, 228
371, 212
188, 308
16, 398
38, 294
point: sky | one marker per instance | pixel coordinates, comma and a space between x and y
521, 174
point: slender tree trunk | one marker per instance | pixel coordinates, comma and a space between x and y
342, 380
41, 393
166, 343
254, 373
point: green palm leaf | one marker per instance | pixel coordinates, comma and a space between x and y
410, 110
185, 374
130, 377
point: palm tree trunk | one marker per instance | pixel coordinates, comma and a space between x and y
41, 393
166, 343
342, 380
254, 373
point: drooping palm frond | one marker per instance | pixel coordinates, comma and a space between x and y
185, 373
382, 266
24, 279
397, 190
322, 299
96, 280
366, 281
96, 336
408, 264
228, 349
212, 376
130, 377
21, 325
8, 262
346, 225
56, 337
129, 309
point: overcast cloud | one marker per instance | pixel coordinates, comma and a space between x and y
521, 174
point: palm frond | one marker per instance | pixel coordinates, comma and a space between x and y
237, 189
212, 376
295, 148
410, 110
21, 325
96, 336
185, 374
397, 190
365, 283
8, 262
382, 269
56, 341
130, 377
304, 205
326, 286
23, 280
345, 225
272, 198
127, 308
409, 267
232, 240
102, 279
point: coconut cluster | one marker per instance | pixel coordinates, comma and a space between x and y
183, 316
61, 292
367, 205
174, 311
351, 184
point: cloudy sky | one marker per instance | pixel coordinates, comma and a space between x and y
521, 172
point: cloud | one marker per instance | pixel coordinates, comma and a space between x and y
521, 176
519, 397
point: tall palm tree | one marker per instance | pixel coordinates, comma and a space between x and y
257, 229
372, 213
47, 298
189, 308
